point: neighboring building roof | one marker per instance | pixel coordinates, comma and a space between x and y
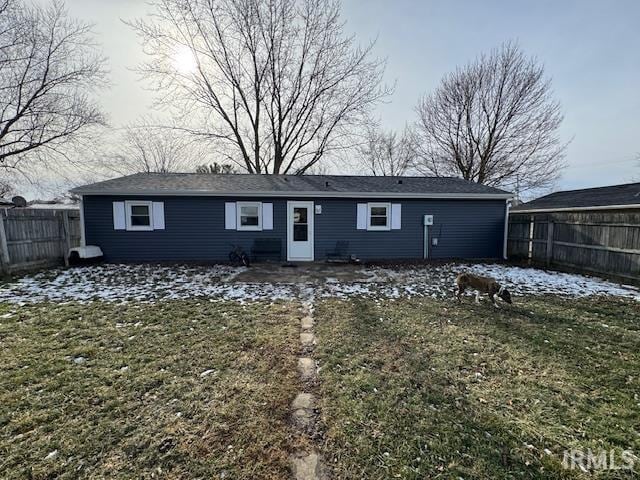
600, 198
289, 185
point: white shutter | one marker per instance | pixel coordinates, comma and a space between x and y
119, 219
362, 216
230, 216
396, 216
158, 215
267, 216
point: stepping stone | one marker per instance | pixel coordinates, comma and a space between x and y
307, 323
307, 339
303, 410
308, 467
304, 401
307, 368
303, 418
307, 308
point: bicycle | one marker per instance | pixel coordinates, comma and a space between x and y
238, 256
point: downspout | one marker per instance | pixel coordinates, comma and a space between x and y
83, 238
506, 229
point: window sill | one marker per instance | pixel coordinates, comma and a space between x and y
378, 229
139, 229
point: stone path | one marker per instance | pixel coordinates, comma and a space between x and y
307, 465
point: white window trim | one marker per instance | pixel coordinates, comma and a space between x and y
387, 206
252, 228
138, 228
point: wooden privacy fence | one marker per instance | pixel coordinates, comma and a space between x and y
606, 243
32, 238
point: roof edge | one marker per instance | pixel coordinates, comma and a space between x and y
574, 209
588, 189
314, 194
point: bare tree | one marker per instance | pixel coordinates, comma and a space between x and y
216, 168
6, 188
49, 66
384, 153
493, 122
276, 83
144, 147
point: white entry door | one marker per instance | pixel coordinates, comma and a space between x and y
300, 231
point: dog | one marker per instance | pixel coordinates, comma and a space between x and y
482, 285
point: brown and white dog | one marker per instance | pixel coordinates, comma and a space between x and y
482, 285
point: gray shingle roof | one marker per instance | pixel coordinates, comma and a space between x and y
628, 194
282, 185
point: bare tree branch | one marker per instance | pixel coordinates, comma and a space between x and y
146, 147
6, 188
275, 84
384, 153
49, 66
494, 122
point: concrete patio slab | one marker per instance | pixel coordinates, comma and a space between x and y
309, 273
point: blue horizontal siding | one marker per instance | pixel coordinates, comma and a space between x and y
194, 229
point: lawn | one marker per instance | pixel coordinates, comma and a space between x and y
180, 389
427, 388
410, 388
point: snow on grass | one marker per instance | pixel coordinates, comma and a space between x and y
533, 281
138, 283
149, 283
439, 281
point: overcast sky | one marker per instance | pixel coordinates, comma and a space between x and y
591, 50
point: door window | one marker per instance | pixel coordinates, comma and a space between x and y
300, 224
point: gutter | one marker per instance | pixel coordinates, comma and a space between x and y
204, 193
505, 241
577, 209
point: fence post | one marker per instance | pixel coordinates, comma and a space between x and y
67, 237
550, 227
530, 244
4, 248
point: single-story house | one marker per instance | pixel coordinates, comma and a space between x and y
155, 217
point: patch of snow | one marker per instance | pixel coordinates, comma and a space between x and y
206, 372
51, 455
151, 283
122, 283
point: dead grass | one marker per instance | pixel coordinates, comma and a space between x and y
410, 389
139, 406
427, 388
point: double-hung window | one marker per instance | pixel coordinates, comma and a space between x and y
379, 216
139, 215
249, 215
